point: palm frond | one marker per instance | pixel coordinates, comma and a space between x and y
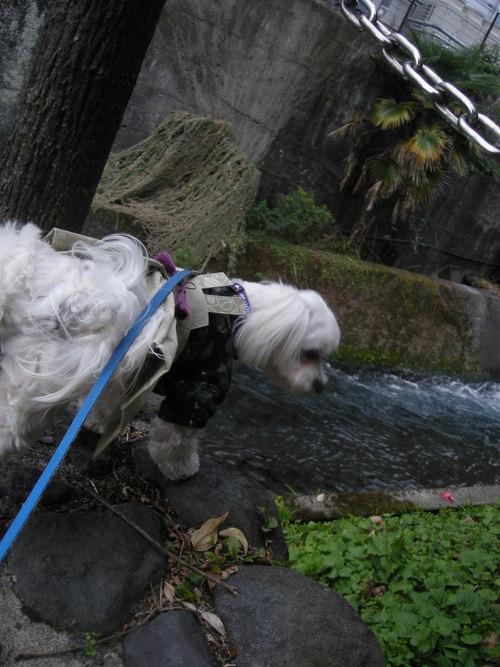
457, 163
349, 128
372, 195
407, 205
401, 155
388, 172
362, 178
472, 69
395, 211
350, 164
418, 176
428, 145
389, 114
483, 84
423, 99
428, 191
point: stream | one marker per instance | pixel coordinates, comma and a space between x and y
368, 429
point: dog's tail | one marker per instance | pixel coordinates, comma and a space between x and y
15, 266
86, 301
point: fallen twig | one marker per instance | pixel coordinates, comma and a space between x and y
159, 546
82, 647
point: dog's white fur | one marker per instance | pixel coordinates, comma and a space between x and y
62, 315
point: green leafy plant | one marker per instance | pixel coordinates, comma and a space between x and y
268, 521
186, 590
427, 584
91, 639
187, 257
296, 217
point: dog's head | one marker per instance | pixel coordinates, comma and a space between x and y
287, 333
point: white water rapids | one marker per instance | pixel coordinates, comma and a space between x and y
367, 430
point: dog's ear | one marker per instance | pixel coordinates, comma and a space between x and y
273, 330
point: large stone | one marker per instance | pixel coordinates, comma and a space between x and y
329, 506
17, 478
19, 635
214, 490
85, 570
172, 639
281, 618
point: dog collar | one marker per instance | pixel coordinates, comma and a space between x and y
239, 291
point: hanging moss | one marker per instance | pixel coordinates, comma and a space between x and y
187, 184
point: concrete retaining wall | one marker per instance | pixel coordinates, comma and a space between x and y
388, 315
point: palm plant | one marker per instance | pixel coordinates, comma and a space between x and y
402, 155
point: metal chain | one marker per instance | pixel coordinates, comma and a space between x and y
406, 60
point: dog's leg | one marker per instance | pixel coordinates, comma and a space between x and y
21, 422
174, 449
7, 438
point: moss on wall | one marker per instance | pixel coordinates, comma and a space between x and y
386, 315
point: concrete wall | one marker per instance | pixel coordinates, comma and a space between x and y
256, 64
391, 316
20, 23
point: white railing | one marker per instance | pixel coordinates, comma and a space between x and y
457, 23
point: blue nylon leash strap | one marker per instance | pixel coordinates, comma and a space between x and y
56, 459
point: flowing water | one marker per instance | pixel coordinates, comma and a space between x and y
367, 430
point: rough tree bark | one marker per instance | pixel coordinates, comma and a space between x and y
86, 63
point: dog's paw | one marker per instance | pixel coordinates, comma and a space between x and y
174, 449
179, 470
10, 444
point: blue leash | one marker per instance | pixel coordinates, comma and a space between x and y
120, 351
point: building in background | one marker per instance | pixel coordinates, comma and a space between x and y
457, 23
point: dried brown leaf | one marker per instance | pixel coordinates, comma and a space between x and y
169, 592
205, 537
213, 621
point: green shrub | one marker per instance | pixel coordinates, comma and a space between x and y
427, 584
296, 217
187, 257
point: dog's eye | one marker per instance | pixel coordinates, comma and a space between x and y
311, 355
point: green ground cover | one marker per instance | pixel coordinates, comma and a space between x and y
427, 584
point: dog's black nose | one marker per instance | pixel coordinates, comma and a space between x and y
318, 386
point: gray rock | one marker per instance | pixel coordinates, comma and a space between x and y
172, 639
20, 635
281, 618
214, 490
85, 570
17, 478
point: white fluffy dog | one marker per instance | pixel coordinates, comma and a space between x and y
63, 313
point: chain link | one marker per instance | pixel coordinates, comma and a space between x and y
404, 57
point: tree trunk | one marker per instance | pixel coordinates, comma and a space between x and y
86, 63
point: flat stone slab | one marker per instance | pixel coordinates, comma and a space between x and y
20, 636
326, 506
85, 570
215, 490
172, 639
281, 618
